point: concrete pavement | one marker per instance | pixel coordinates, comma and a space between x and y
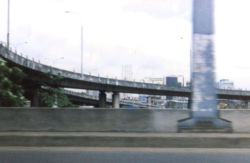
122, 155
101, 139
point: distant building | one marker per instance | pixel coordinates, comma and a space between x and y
154, 80
188, 84
172, 82
177, 104
225, 84
223, 104
143, 98
93, 93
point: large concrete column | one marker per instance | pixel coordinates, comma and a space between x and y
149, 100
246, 104
204, 115
35, 99
189, 103
116, 100
102, 99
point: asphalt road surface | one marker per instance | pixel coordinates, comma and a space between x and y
122, 155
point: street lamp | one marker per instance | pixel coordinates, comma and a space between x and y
8, 25
70, 12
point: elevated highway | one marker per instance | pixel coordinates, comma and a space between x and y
80, 98
40, 74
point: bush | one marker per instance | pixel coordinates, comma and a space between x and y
11, 90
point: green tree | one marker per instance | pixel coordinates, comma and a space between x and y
11, 91
54, 96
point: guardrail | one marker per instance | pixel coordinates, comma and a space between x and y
37, 66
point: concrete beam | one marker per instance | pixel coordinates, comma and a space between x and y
246, 104
102, 99
116, 100
39, 73
35, 99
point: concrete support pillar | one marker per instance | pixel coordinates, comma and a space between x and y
189, 103
35, 99
246, 104
116, 100
149, 100
204, 116
102, 99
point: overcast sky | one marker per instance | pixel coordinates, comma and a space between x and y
154, 36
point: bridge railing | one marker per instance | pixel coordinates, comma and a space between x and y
37, 66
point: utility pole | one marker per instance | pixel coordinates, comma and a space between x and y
81, 49
8, 26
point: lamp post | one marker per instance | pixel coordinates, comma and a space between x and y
70, 12
8, 25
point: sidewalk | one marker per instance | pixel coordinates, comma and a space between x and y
101, 139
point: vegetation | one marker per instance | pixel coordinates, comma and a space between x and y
54, 96
12, 80
11, 90
51, 96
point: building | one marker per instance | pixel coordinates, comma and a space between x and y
188, 84
151, 99
143, 98
225, 84
154, 80
172, 82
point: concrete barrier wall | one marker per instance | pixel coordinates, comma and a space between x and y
100, 120
240, 119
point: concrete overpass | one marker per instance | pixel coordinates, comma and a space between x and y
39, 74
80, 99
